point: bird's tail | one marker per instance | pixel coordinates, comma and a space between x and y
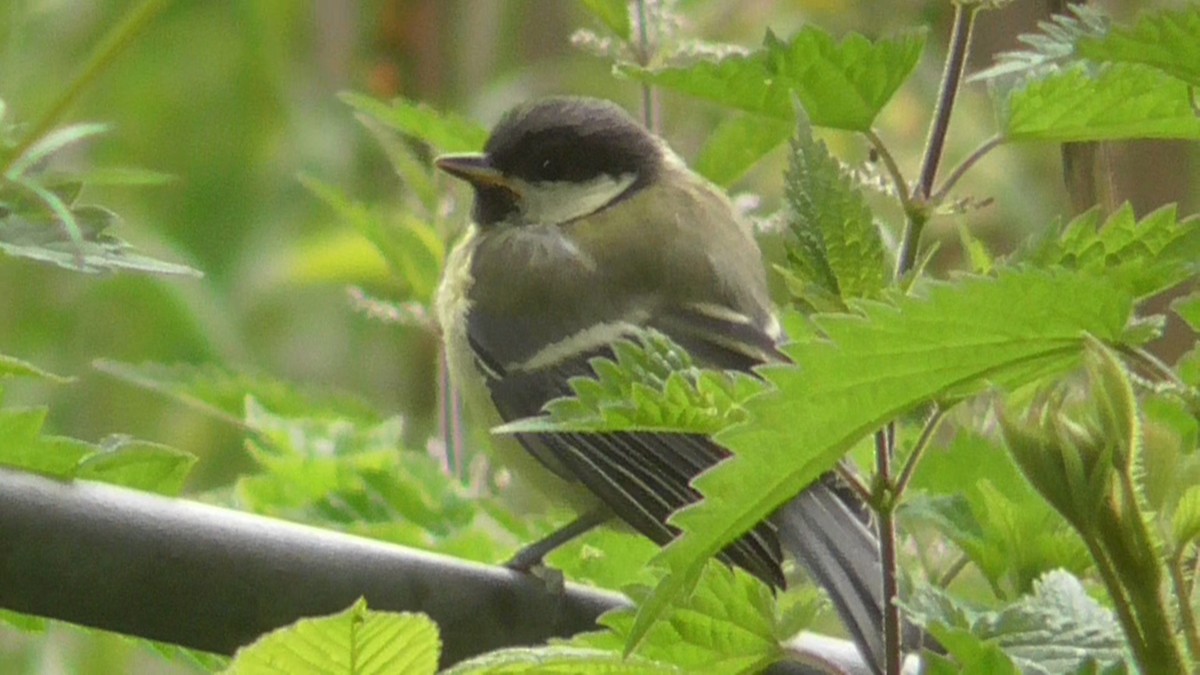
841, 553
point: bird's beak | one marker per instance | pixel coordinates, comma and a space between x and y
475, 169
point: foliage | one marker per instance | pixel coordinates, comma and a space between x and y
1043, 463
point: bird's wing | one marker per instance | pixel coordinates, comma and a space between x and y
643, 477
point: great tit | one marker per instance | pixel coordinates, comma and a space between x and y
587, 230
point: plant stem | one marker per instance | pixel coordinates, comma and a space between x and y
893, 169
956, 63
1187, 614
649, 105
914, 458
960, 563
958, 172
893, 655
114, 43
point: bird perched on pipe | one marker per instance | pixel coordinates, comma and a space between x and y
588, 229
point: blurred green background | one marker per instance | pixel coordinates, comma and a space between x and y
235, 98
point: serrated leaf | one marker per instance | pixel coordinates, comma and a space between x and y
141, 465
11, 366
1168, 40
652, 385
1113, 102
22, 445
1188, 309
412, 248
1054, 45
835, 244
1056, 629
222, 392
445, 131
842, 84
730, 624
51, 143
85, 246
737, 144
560, 660
357, 641
614, 14
1185, 522
862, 371
1147, 256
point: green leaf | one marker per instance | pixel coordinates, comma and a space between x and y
612, 13
1188, 309
412, 247
973, 493
1146, 256
141, 465
446, 132
1054, 630
22, 445
51, 143
842, 85
1168, 40
1052, 47
862, 371
653, 385
222, 393
835, 244
1185, 522
11, 366
1114, 102
559, 660
730, 624
357, 641
737, 144
82, 246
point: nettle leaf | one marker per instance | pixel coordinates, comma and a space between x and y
22, 445
76, 238
614, 14
843, 84
559, 659
412, 248
11, 366
737, 144
652, 385
972, 492
1055, 44
1146, 256
358, 641
1112, 102
223, 393
835, 244
1057, 629
1167, 40
356, 477
142, 465
859, 371
729, 624
444, 131
1188, 309
120, 460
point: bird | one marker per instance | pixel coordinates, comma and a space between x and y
587, 229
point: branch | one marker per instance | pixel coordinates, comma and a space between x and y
215, 579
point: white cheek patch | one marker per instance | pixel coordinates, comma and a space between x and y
555, 203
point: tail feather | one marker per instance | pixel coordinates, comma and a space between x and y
842, 555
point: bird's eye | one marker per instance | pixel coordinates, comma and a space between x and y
550, 169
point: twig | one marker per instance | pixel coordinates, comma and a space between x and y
893, 169
893, 656
914, 458
958, 172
